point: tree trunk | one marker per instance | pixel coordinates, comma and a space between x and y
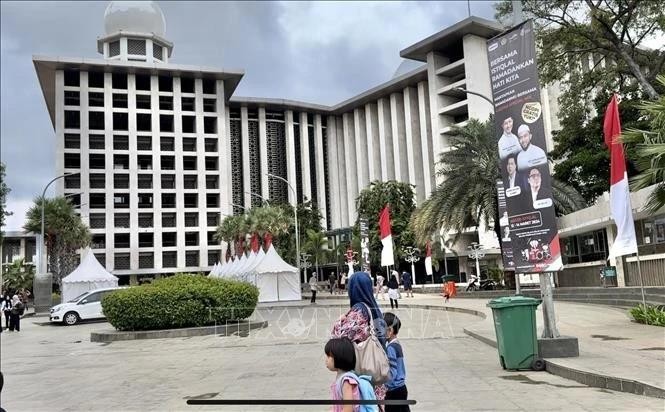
635, 69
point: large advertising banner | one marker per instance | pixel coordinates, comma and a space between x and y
506, 239
521, 146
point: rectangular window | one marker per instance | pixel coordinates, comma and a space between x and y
143, 122
121, 181
97, 200
211, 163
213, 256
166, 144
121, 200
169, 259
191, 200
120, 162
186, 85
143, 101
97, 180
96, 120
142, 80
146, 220
121, 220
188, 104
165, 102
191, 219
121, 240
144, 162
145, 181
189, 144
120, 121
168, 162
98, 241
191, 238
210, 145
120, 142
188, 124
72, 161
168, 200
72, 78
145, 200
114, 48
96, 80
72, 119
169, 239
212, 200
209, 86
96, 142
119, 81
121, 261
212, 182
72, 98
96, 161
146, 259
192, 258
72, 141
189, 162
72, 181
97, 220
144, 143
120, 100
210, 105
168, 181
213, 219
165, 84
166, 122
190, 181
209, 125
95, 99
168, 220
156, 51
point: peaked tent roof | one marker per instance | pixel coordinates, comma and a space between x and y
273, 263
90, 270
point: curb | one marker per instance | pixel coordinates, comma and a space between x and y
222, 330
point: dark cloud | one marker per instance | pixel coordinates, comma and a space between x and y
318, 52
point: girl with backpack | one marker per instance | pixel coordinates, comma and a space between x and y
355, 324
341, 358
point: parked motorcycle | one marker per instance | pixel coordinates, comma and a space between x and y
485, 284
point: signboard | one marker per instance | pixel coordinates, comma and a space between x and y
521, 145
506, 239
364, 242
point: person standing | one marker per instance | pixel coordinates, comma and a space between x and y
313, 286
342, 283
408, 285
396, 386
333, 283
379, 287
6, 309
17, 311
393, 292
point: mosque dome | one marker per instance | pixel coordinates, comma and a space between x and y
134, 16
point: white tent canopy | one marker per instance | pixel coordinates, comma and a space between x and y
276, 279
89, 275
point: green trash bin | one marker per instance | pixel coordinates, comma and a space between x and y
516, 335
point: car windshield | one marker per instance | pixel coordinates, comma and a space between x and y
77, 298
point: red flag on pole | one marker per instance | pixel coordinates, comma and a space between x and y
620, 208
387, 258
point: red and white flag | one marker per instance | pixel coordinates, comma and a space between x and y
387, 258
428, 258
620, 209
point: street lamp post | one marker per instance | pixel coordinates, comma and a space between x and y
306, 264
412, 256
463, 90
476, 252
259, 196
295, 214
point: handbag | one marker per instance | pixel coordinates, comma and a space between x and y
371, 358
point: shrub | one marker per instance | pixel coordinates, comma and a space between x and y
180, 301
648, 314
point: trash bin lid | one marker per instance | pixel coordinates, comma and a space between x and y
510, 301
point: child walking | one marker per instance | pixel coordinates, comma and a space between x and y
396, 386
393, 292
341, 358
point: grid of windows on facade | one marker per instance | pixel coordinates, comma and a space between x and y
651, 232
585, 247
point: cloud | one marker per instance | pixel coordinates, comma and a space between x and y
319, 52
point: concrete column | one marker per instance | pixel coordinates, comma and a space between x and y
179, 172
320, 171
343, 171
373, 143
413, 144
427, 154
225, 182
618, 262
385, 140
263, 152
290, 156
108, 159
244, 138
133, 178
304, 158
201, 171
434, 62
477, 76
351, 165
333, 174
156, 174
399, 137
84, 152
360, 131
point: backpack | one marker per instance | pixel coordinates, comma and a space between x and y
364, 387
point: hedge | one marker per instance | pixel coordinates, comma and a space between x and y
180, 301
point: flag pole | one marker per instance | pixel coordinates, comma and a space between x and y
639, 271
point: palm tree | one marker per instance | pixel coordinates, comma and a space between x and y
467, 195
317, 246
65, 232
233, 230
650, 145
269, 222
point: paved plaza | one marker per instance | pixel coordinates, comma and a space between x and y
57, 368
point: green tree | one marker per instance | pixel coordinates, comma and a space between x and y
17, 275
316, 244
569, 31
233, 230
309, 218
4, 191
401, 198
269, 221
467, 195
65, 233
649, 144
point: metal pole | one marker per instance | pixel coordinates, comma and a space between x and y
518, 290
475, 94
259, 196
295, 214
639, 271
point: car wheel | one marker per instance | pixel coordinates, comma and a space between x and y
70, 318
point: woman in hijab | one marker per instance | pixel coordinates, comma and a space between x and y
6, 307
16, 312
356, 322
393, 292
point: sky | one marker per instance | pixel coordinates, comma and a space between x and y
318, 52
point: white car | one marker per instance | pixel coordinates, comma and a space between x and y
83, 307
